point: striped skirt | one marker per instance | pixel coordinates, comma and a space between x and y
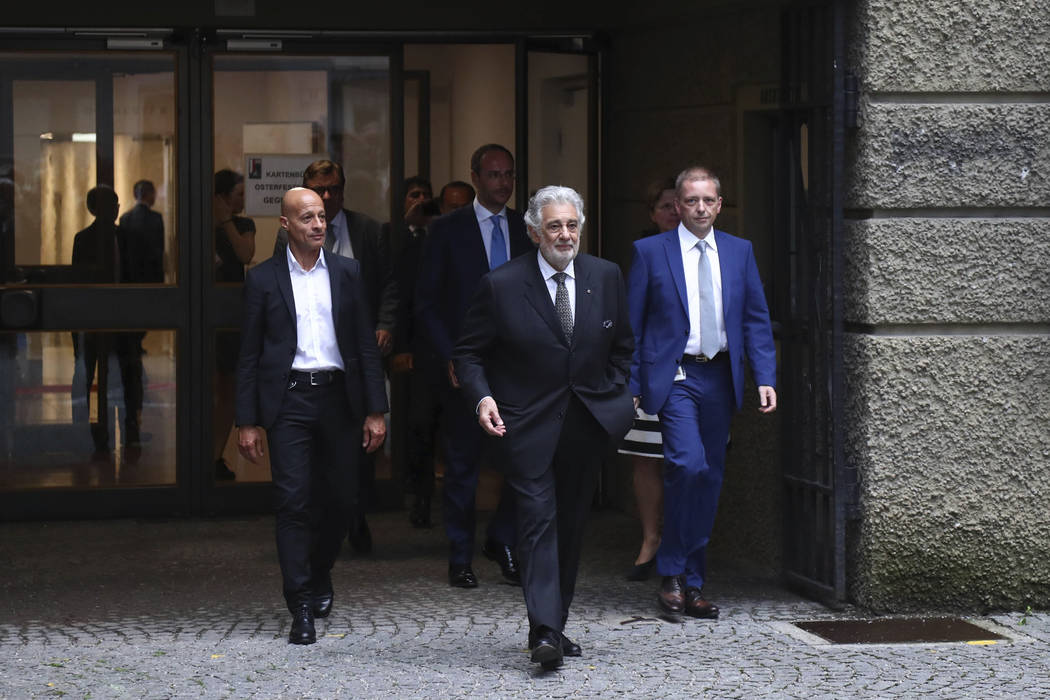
644, 437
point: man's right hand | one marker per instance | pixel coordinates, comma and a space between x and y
637, 402
488, 417
452, 378
250, 442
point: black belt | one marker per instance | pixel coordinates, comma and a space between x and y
317, 377
703, 359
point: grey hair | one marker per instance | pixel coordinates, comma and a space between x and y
552, 194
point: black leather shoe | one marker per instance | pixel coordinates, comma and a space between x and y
461, 576
570, 648
671, 598
302, 631
419, 516
696, 606
360, 536
546, 650
504, 556
642, 572
321, 604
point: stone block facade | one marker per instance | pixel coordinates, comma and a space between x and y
947, 285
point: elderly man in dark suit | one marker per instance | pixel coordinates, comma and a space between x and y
545, 355
353, 234
309, 374
460, 249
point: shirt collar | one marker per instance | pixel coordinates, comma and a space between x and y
295, 268
687, 239
338, 222
547, 270
484, 214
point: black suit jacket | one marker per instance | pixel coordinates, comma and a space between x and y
453, 264
513, 349
97, 250
144, 229
268, 340
371, 243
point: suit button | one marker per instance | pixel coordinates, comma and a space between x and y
560, 415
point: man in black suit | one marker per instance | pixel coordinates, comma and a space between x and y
411, 356
545, 355
101, 255
353, 234
309, 374
461, 248
144, 229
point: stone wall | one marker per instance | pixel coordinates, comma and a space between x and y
948, 304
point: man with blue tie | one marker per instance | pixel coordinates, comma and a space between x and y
460, 249
698, 312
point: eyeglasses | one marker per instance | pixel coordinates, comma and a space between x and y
332, 190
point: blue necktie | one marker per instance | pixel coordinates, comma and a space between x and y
498, 246
709, 341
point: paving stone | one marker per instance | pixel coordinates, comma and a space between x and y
116, 609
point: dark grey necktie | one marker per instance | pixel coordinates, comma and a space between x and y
329, 238
561, 304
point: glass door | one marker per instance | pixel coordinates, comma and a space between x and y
272, 116
91, 318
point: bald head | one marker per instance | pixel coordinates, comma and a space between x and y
295, 198
303, 217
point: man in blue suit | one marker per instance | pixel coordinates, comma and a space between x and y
460, 249
697, 310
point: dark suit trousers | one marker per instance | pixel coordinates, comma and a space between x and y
463, 441
695, 424
552, 511
424, 414
314, 446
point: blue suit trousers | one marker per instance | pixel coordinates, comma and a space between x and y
695, 424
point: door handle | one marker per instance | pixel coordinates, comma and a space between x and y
19, 308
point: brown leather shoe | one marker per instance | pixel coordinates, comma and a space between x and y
671, 597
696, 606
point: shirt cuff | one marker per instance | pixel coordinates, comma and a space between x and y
477, 408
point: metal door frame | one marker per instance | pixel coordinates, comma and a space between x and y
818, 485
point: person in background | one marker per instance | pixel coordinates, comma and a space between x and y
643, 441
234, 249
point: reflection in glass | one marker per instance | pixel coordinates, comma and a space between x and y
60, 133
234, 235
229, 466
276, 115
87, 409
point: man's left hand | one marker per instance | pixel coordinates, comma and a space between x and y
374, 432
767, 399
385, 340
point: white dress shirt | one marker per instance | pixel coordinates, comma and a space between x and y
548, 272
484, 223
341, 232
691, 263
316, 346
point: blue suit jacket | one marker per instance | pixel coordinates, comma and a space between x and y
453, 263
657, 298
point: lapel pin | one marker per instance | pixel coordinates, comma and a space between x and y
588, 291
607, 323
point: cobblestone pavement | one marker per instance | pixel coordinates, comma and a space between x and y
191, 608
